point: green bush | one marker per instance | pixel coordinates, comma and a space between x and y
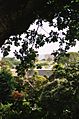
60, 98
6, 84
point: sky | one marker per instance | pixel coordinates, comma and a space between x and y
47, 48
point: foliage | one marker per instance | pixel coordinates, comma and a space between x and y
36, 97
71, 57
6, 84
19, 99
41, 64
60, 97
39, 81
11, 62
61, 15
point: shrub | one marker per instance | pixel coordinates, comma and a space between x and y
6, 84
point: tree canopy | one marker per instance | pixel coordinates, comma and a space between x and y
16, 17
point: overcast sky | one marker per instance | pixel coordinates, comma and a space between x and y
47, 48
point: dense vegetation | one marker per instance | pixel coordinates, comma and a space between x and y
40, 97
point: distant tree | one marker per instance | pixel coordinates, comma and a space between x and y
11, 62
48, 57
71, 57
